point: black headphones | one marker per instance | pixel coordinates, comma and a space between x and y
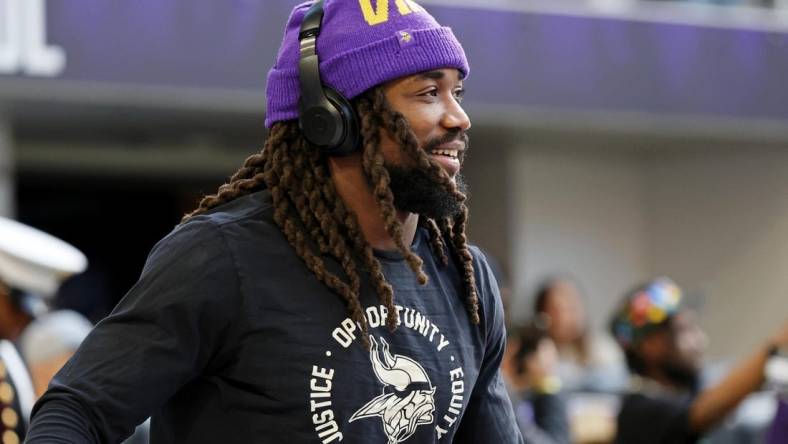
325, 117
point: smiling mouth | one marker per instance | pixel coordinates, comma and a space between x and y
454, 154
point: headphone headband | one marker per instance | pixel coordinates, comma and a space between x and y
310, 26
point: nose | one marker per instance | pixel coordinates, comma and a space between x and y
455, 117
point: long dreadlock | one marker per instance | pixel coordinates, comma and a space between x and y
311, 214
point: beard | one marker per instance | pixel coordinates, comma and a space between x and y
416, 191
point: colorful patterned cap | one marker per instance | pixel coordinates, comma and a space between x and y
644, 310
362, 44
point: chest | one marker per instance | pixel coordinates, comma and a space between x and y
301, 359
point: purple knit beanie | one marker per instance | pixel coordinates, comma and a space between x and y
362, 43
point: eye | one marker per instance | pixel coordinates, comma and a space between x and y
432, 92
459, 94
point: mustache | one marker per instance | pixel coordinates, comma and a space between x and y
451, 136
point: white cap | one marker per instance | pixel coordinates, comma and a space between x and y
34, 261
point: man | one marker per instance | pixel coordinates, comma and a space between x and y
663, 346
326, 293
33, 264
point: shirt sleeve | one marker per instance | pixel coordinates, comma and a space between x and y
165, 332
489, 416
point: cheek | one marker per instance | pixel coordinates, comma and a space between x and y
422, 135
392, 153
424, 125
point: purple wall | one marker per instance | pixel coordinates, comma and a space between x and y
516, 58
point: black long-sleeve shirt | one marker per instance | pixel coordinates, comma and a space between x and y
648, 418
228, 337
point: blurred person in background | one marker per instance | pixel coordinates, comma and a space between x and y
588, 362
33, 264
326, 293
664, 346
529, 367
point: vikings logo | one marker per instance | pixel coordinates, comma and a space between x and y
407, 399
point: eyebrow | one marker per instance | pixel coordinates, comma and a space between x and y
432, 75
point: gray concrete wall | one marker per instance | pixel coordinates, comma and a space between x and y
713, 218
581, 212
720, 228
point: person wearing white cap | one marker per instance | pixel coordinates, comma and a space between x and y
33, 264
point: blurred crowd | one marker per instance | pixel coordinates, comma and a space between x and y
643, 380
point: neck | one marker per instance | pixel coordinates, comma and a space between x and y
668, 383
351, 184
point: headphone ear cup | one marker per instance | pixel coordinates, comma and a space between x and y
321, 125
349, 121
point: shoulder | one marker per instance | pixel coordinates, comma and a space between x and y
209, 237
477, 253
251, 207
486, 283
232, 221
490, 303
481, 265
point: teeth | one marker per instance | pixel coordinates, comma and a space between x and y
449, 153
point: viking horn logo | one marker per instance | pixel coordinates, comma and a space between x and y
407, 400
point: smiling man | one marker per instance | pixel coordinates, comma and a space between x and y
326, 293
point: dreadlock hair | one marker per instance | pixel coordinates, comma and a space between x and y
317, 223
